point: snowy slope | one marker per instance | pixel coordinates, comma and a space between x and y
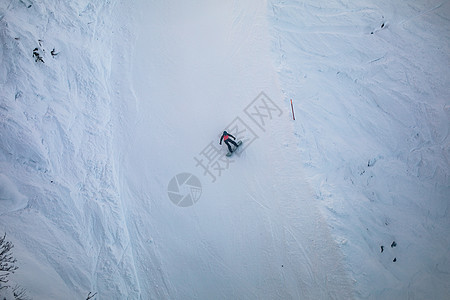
139, 93
370, 83
63, 209
197, 68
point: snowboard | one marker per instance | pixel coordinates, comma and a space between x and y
231, 153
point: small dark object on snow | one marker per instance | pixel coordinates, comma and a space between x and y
382, 249
90, 295
382, 25
37, 56
393, 244
395, 259
53, 52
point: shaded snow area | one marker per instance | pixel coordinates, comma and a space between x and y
112, 179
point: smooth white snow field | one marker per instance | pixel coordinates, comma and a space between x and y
112, 179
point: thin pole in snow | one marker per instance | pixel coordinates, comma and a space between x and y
292, 107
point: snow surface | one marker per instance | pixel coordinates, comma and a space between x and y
138, 92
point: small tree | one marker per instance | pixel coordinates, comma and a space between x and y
7, 267
20, 293
7, 261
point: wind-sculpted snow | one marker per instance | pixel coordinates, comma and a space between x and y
57, 155
11, 199
370, 84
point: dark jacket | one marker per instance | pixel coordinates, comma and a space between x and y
225, 137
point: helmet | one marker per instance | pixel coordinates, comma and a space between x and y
225, 133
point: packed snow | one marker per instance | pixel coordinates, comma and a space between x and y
108, 107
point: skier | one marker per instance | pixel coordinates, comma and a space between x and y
226, 137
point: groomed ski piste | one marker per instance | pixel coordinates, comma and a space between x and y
112, 179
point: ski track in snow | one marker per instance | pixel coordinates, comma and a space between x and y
90, 138
215, 240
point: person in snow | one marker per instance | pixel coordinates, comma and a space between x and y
227, 138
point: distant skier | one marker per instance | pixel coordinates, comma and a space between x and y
227, 138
